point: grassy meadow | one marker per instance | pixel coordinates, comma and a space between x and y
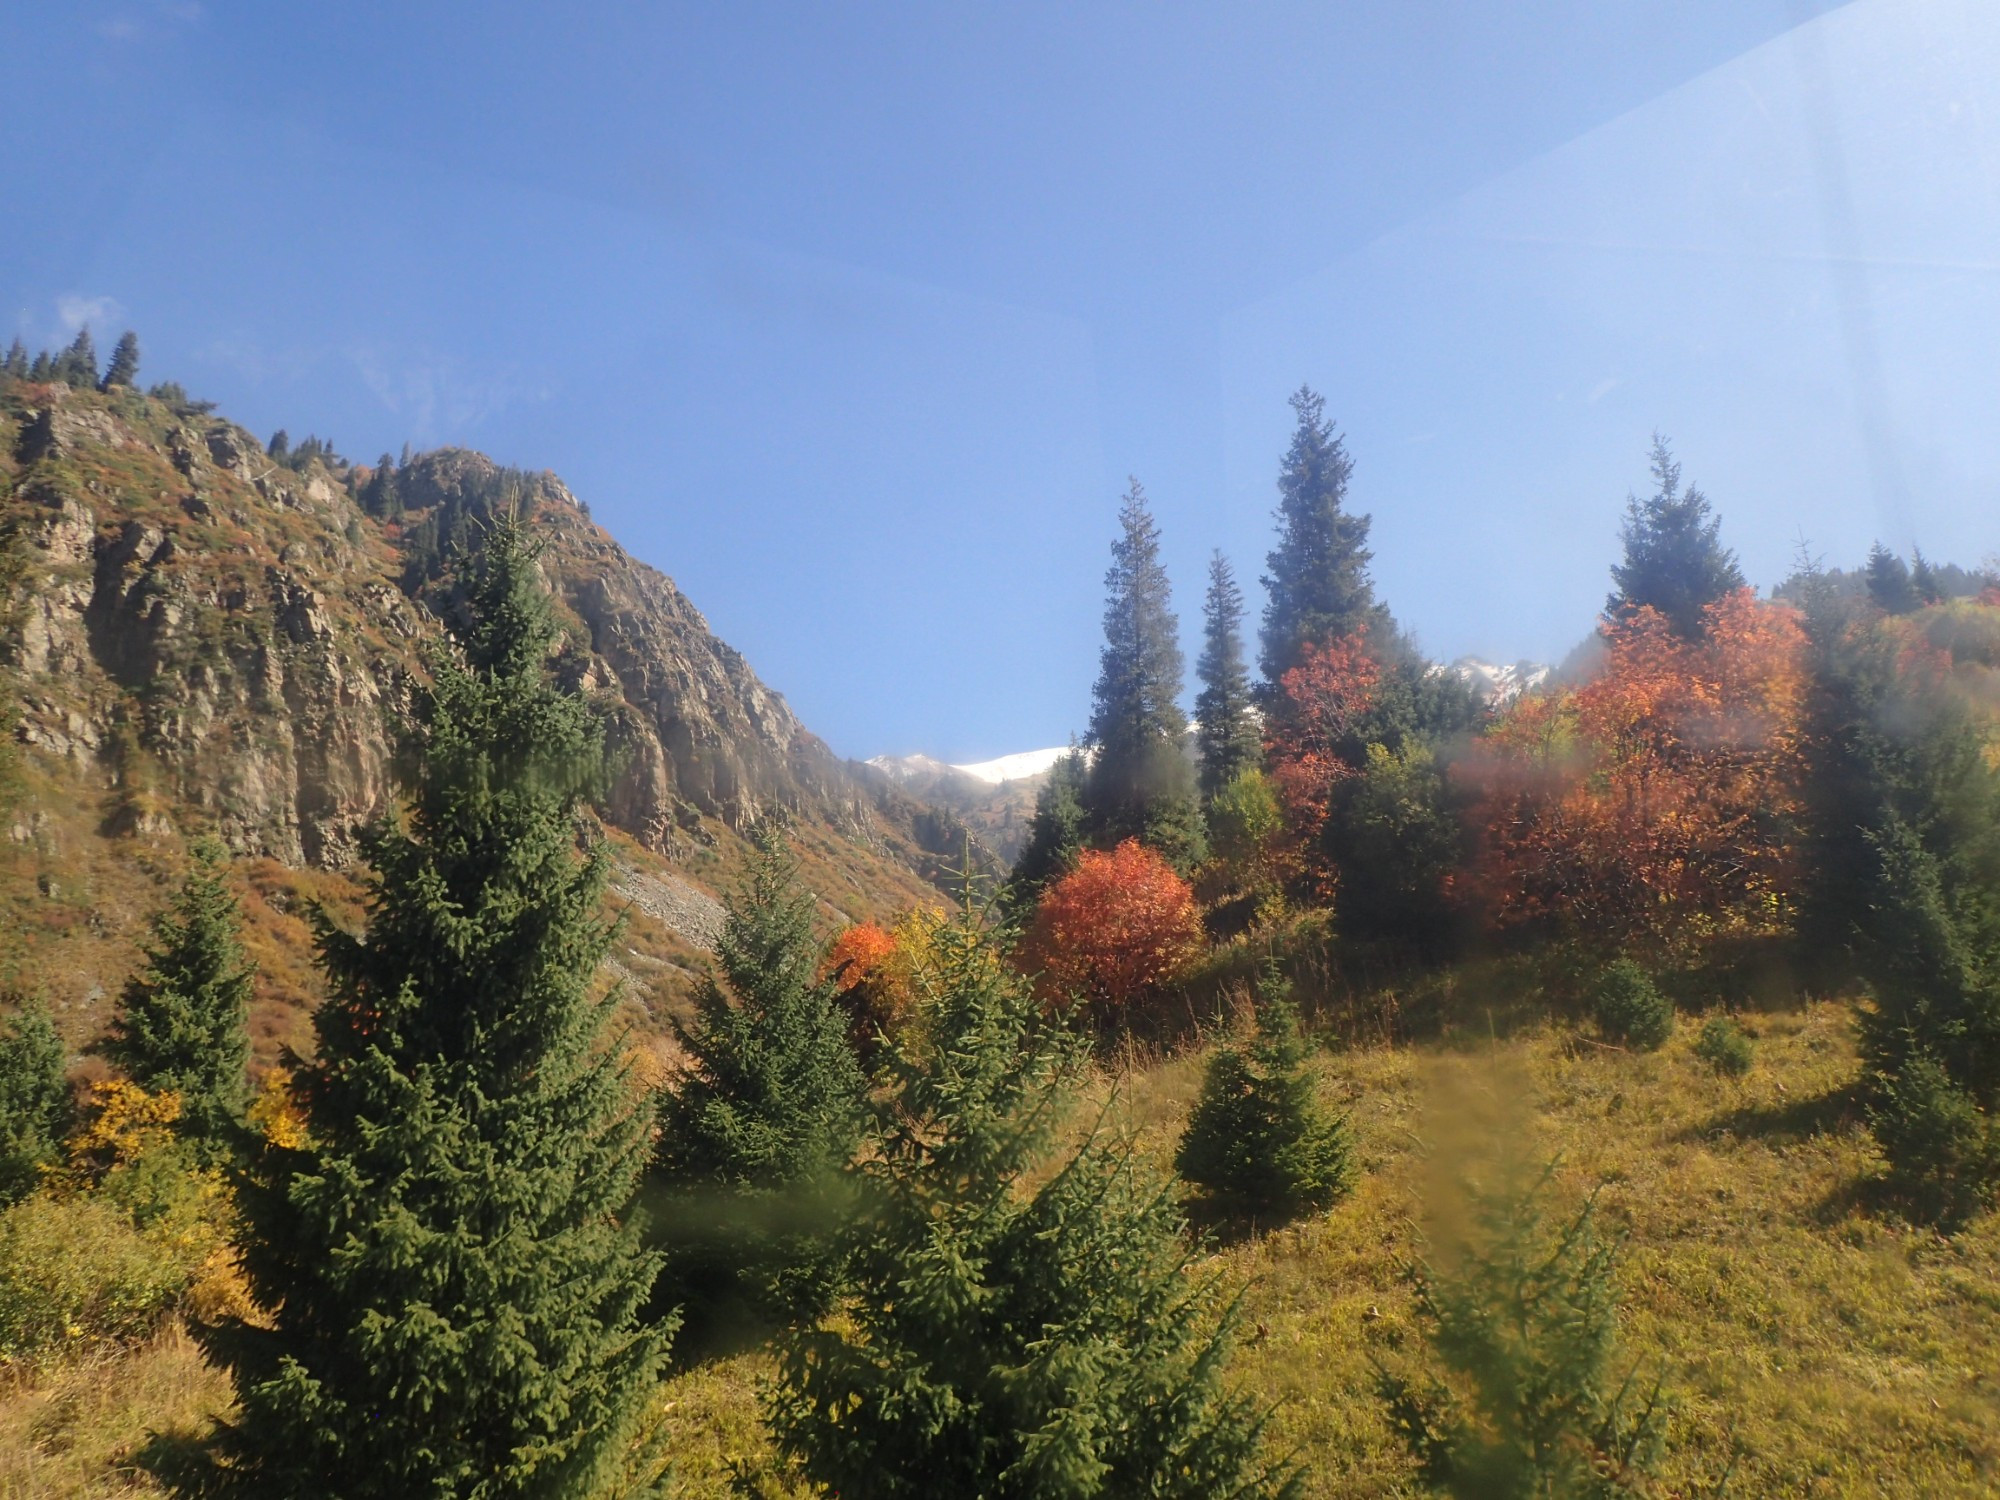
1827, 1346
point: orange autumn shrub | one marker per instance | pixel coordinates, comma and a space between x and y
1119, 926
862, 962
1658, 804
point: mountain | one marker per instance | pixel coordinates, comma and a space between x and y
199, 636
994, 798
1496, 684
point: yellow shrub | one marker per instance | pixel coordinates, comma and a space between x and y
121, 1123
276, 1114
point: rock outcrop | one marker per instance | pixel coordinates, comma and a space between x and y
203, 635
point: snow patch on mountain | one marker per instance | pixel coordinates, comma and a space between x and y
1496, 683
1015, 767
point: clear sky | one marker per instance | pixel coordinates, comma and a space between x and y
853, 318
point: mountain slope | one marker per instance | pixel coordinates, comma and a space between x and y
994, 798
197, 636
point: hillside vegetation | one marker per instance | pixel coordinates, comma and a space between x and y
500, 1081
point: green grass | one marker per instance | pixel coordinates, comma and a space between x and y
1843, 1352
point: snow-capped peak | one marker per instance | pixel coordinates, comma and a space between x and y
1022, 763
1496, 684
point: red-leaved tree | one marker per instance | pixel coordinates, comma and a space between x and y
1310, 737
1656, 805
1117, 927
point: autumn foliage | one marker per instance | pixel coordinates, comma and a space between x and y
1310, 734
1656, 805
1118, 926
862, 962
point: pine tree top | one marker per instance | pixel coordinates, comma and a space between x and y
1137, 696
1317, 585
1674, 558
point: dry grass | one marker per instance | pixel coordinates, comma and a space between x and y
74, 1432
1845, 1353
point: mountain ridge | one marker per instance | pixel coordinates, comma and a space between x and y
200, 635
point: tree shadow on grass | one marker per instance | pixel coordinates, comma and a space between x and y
176, 1461
1785, 1122
1226, 1223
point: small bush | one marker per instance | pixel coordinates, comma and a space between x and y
76, 1272
1259, 1142
1724, 1046
1630, 1009
1944, 1154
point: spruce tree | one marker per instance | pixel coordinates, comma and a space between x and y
451, 1290
1317, 589
767, 1113
1674, 557
380, 498
1889, 586
280, 446
1258, 1142
1529, 1402
1931, 1037
78, 363
15, 364
35, 1100
124, 366
181, 1021
43, 369
1227, 738
1055, 835
1023, 1322
1398, 840
1140, 784
1924, 580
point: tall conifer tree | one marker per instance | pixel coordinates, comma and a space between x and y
452, 1296
16, 362
181, 1022
1025, 1321
1674, 557
78, 363
1140, 783
124, 366
1226, 736
1317, 589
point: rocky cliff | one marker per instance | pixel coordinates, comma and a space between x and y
198, 635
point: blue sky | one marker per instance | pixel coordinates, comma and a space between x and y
854, 318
